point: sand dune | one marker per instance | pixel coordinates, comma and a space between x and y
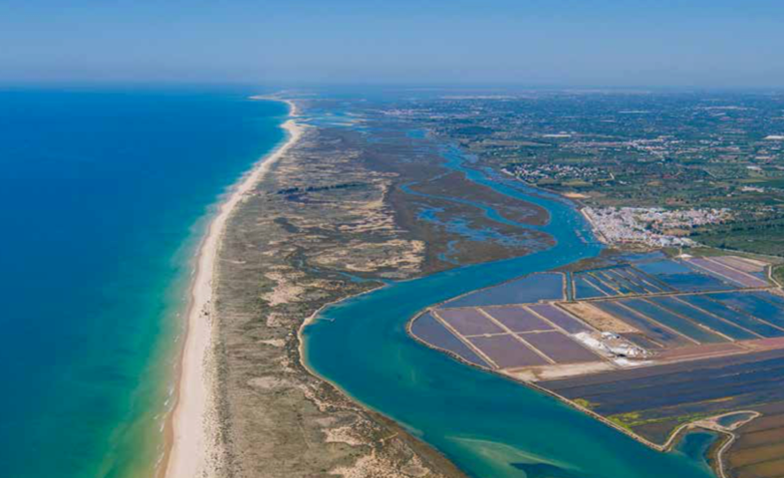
193, 426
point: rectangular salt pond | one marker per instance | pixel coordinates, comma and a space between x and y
753, 305
559, 318
741, 278
702, 317
675, 322
643, 280
695, 282
742, 320
618, 283
600, 284
430, 330
530, 289
469, 321
651, 280
651, 329
608, 283
560, 347
634, 286
641, 340
770, 297
741, 264
682, 277
518, 319
663, 267
507, 351
585, 290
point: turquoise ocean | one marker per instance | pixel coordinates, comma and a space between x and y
104, 196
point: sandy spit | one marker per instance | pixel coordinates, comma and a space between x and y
191, 450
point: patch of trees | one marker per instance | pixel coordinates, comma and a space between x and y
312, 189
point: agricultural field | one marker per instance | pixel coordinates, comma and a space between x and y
661, 152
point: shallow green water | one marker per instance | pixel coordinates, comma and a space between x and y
489, 426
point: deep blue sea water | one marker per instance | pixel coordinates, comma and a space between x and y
102, 195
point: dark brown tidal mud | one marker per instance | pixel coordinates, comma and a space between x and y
759, 448
455, 185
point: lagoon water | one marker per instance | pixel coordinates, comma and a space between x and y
489, 426
102, 194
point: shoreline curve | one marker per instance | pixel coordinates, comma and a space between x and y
189, 442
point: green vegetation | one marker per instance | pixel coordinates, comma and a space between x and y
584, 403
633, 420
778, 273
759, 237
625, 420
677, 151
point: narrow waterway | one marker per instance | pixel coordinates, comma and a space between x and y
489, 426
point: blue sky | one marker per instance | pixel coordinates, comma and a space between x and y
523, 42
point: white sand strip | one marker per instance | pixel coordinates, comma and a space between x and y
191, 452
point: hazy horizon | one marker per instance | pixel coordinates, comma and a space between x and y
559, 44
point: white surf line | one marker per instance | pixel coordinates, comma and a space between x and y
192, 443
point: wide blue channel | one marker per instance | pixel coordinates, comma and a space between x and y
489, 426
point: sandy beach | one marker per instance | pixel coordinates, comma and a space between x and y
192, 427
